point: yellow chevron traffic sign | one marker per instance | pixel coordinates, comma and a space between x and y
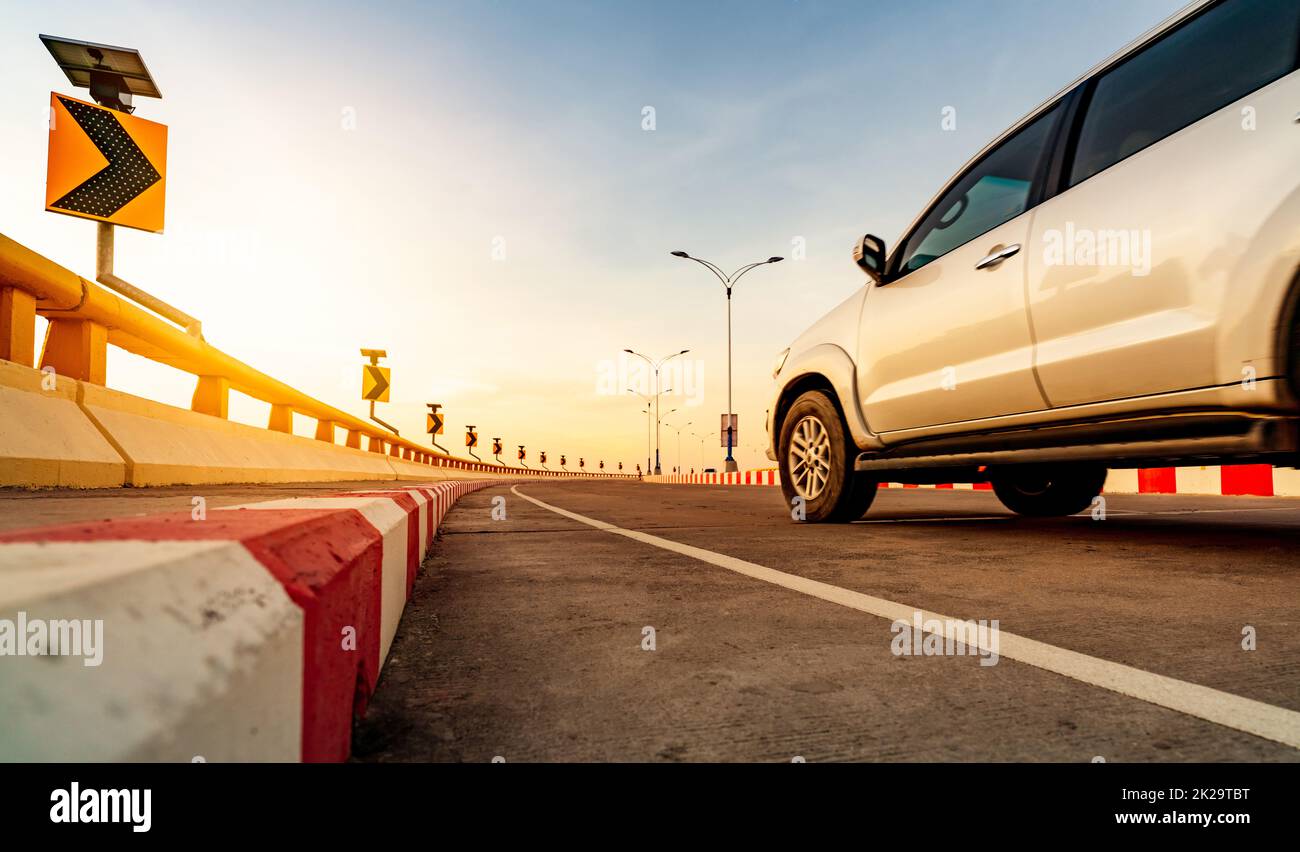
105, 165
433, 421
375, 382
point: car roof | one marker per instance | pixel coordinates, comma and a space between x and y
1115, 58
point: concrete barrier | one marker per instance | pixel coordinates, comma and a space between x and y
201, 652
1260, 480
255, 633
164, 445
60, 433
45, 439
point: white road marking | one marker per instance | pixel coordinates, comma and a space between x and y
944, 520
1231, 711
1131, 512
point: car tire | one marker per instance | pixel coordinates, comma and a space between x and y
816, 460
1048, 491
1291, 345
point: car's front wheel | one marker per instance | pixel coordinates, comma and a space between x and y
816, 459
1046, 491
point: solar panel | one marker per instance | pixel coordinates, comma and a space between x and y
79, 58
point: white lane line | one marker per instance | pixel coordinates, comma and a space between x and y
1222, 708
1133, 512
946, 520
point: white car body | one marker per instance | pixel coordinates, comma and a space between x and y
1171, 345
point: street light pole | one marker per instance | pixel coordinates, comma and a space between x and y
656, 365
649, 428
679, 429
670, 413
728, 282
648, 433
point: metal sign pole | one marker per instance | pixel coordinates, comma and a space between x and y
104, 275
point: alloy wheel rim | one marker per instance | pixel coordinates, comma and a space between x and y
810, 458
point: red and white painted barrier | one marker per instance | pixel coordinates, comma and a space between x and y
255, 633
1242, 479
741, 477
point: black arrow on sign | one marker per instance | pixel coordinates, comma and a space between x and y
381, 384
127, 174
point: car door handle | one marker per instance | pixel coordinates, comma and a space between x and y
998, 256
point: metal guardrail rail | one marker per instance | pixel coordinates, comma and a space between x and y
85, 318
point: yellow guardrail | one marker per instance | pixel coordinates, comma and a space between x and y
85, 318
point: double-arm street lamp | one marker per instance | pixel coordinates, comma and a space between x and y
656, 365
728, 282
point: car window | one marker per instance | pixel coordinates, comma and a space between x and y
995, 190
1223, 55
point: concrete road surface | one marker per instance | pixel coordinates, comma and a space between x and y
540, 637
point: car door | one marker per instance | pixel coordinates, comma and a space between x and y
1183, 150
945, 338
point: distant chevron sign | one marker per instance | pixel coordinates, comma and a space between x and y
434, 422
376, 381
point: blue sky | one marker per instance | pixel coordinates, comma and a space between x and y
517, 126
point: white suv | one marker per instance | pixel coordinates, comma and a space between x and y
1112, 282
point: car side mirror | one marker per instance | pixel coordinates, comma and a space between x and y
869, 253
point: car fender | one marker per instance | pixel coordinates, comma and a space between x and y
821, 365
1263, 280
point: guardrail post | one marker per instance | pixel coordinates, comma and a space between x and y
281, 419
354, 439
325, 431
76, 349
212, 396
376, 444
394, 450
17, 325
